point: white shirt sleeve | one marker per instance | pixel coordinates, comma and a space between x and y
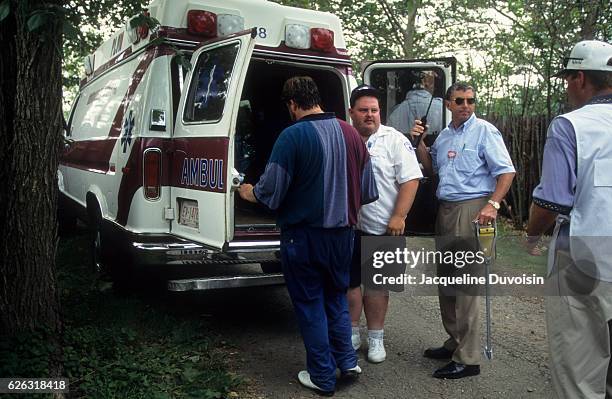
404, 160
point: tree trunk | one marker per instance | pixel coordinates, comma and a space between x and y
30, 135
591, 11
410, 30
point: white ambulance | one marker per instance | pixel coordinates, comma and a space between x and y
154, 150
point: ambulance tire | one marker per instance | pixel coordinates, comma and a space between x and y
104, 262
271, 267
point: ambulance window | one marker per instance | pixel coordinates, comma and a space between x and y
209, 85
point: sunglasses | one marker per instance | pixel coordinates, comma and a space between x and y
460, 100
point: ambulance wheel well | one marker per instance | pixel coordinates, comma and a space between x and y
105, 255
94, 212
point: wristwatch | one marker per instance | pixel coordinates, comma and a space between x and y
495, 204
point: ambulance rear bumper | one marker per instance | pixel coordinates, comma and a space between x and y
176, 251
191, 266
212, 283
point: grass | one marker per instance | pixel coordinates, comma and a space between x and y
512, 256
120, 347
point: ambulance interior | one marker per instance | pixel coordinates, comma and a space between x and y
395, 83
262, 117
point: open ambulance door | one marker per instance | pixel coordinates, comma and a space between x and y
202, 170
409, 82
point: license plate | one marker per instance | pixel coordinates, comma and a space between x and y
189, 213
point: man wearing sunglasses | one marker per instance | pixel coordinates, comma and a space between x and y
576, 190
475, 172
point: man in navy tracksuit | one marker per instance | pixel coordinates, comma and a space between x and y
317, 177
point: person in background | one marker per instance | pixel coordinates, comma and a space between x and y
318, 176
415, 106
576, 190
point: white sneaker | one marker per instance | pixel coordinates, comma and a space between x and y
352, 372
376, 350
356, 340
304, 378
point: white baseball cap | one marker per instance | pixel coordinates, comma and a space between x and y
588, 55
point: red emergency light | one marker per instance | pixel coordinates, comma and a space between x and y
202, 23
321, 39
143, 30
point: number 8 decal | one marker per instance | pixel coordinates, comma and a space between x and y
262, 33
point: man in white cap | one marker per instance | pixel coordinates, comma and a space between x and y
576, 190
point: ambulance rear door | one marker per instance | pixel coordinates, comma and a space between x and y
396, 79
400, 80
202, 156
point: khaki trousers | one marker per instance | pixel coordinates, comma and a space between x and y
460, 312
578, 323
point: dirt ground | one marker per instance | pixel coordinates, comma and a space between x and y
259, 328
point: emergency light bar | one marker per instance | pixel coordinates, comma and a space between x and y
297, 36
132, 32
228, 24
208, 24
303, 37
137, 33
321, 39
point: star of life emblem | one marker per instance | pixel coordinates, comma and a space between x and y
128, 126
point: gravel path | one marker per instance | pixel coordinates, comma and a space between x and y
265, 347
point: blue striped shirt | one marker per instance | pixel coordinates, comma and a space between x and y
318, 175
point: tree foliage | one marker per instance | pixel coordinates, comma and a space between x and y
508, 49
97, 20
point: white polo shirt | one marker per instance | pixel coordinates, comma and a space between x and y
394, 162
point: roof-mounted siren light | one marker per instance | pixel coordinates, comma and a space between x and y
202, 23
137, 33
132, 32
143, 29
88, 63
303, 37
228, 24
297, 36
321, 39
208, 24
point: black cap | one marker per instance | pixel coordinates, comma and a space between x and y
363, 90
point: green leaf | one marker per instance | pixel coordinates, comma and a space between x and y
143, 19
5, 8
36, 20
70, 30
